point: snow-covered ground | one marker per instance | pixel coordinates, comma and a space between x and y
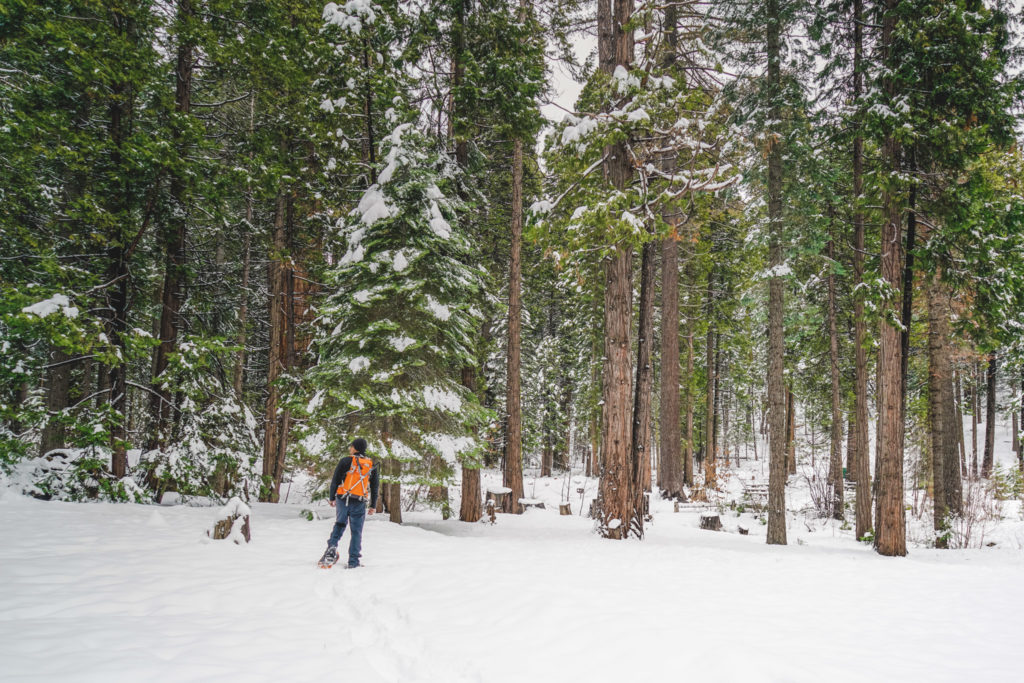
97, 592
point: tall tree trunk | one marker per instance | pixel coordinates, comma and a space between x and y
641, 448
1020, 450
890, 518
243, 304
790, 431
959, 424
710, 480
861, 465
990, 416
512, 477
975, 409
836, 450
776, 349
942, 412
617, 500
670, 463
670, 466
688, 451
175, 235
58, 389
276, 433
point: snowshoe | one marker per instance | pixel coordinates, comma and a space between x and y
328, 559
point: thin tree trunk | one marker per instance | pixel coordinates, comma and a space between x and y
990, 416
790, 431
57, 391
641, 448
688, 451
861, 465
670, 465
776, 344
276, 428
836, 450
961, 441
975, 409
1020, 450
709, 407
512, 476
942, 412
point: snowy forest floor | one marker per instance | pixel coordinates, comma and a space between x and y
101, 592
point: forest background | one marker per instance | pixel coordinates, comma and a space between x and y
237, 235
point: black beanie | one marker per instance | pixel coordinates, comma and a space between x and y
360, 445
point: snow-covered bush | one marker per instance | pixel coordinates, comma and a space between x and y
214, 448
79, 474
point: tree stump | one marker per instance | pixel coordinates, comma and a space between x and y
532, 503
744, 531
711, 521
232, 523
490, 510
564, 509
498, 494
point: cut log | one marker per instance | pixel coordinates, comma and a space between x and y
711, 521
531, 503
744, 531
564, 509
498, 494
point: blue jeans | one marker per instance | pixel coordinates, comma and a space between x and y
351, 513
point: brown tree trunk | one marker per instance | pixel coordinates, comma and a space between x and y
790, 431
710, 481
470, 510
276, 434
890, 518
175, 234
688, 451
990, 416
57, 391
860, 461
836, 450
961, 441
776, 343
617, 500
512, 477
942, 413
641, 447
1020, 450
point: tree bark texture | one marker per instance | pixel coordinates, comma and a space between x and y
512, 476
776, 349
710, 480
946, 491
670, 463
990, 416
890, 518
641, 448
861, 464
617, 499
277, 421
836, 450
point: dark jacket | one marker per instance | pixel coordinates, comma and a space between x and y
344, 465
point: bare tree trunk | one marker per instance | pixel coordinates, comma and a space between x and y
617, 500
709, 405
860, 466
941, 410
688, 452
641, 451
836, 451
670, 465
513, 472
975, 409
175, 234
1020, 449
790, 431
276, 432
961, 441
890, 518
57, 391
990, 416
776, 343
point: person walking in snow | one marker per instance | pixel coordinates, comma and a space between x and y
355, 482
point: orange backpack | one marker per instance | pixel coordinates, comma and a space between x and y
357, 481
